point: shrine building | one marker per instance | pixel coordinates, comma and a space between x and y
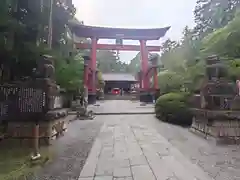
122, 81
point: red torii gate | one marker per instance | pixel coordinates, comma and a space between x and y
96, 33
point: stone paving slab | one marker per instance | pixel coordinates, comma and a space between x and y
120, 107
124, 150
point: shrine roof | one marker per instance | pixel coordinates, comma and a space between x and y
84, 31
118, 77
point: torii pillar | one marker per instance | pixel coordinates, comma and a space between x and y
145, 94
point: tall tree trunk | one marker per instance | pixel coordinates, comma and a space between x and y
50, 25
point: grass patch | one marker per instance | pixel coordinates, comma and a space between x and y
16, 162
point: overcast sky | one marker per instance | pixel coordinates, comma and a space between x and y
137, 14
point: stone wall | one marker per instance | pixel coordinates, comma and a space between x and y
22, 134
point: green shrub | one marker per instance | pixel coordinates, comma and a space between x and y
170, 81
173, 108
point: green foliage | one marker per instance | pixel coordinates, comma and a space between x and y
108, 62
24, 32
169, 81
194, 76
216, 32
223, 41
173, 108
234, 69
179, 55
213, 14
185, 71
135, 64
69, 72
173, 58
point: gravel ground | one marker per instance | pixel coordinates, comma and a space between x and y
221, 162
71, 152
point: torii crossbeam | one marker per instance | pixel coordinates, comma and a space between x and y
118, 47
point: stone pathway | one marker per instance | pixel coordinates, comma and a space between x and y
121, 106
126, 150
136, 147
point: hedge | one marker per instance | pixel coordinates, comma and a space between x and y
173, 108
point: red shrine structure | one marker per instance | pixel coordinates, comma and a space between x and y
96, 33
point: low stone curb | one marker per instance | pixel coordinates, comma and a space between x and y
123, 113
116, 113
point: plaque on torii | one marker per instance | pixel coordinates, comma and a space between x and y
119, 41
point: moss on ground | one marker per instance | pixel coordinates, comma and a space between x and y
15, 163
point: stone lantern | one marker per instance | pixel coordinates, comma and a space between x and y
215, 117
218, 91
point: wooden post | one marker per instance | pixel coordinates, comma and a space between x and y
36, 155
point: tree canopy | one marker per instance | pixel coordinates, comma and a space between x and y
25, 35
108, 61
216, 32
